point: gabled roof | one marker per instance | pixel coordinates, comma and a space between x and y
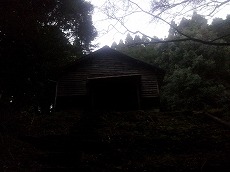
108, 50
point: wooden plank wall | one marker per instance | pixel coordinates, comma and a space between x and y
75, 81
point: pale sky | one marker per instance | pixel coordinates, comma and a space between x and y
110, 30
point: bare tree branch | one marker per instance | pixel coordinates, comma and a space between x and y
166, 6
218, 6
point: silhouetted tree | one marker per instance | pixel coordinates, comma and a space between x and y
36, 39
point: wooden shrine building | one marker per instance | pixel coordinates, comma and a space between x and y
108, 79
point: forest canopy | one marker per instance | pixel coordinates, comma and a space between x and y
197, 75
37, 38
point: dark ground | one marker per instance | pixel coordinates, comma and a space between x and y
114, 141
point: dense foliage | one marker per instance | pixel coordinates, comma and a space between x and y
197, 75
36, 39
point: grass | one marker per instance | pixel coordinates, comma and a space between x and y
115, 141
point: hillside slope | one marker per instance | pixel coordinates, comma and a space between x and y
116, 141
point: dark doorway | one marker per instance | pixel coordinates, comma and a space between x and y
115, 93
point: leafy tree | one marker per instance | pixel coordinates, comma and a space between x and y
36, 39
145, 39
129, 39
197, 75
137, 39
114, 45
121, 44
221, 28
196, 61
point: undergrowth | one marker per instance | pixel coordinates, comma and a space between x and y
114, 141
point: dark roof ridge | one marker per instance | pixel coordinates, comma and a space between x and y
134, 59
107, 48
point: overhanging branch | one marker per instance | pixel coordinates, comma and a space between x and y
187, 37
